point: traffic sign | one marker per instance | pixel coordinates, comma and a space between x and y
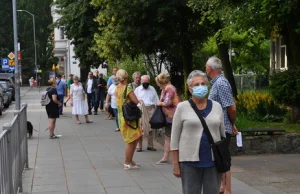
39, 71
12, 68
35, 69
11, 55
5, 63
11, 63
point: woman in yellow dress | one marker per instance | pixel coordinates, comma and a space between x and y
130, 136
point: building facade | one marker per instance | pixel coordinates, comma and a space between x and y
63, 49
278, 57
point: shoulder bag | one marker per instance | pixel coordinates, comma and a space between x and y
220, 149
131, 111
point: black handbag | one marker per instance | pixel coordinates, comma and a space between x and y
158, 119
131, 112
220, 149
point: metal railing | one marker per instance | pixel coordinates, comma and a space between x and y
13, 153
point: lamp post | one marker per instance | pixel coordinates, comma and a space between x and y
34, 40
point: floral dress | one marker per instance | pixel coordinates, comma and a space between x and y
128, 133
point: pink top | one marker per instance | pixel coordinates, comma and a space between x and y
171, 99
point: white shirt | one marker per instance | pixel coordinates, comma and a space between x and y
148, 96
111, 91
63, 79
89, 86
77, 92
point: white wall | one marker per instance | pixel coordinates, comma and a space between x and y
74, 63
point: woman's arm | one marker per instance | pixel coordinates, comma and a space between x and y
133, 98
54, 98
107, 98
169, 97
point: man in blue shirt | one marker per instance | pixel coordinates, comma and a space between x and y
61, 89
221, 92
110, 80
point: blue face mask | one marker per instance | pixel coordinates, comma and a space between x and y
200, 91
116, 83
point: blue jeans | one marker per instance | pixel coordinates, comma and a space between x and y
116, 116
99, 100
61, 100
90, 100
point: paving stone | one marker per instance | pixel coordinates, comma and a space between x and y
125, 190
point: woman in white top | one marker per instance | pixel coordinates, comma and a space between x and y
191, 150
113, 104
78, 101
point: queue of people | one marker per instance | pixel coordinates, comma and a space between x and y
186, 137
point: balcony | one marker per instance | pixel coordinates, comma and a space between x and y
60, 48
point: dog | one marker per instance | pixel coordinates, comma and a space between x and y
29, 129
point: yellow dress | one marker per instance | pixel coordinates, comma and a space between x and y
129, 134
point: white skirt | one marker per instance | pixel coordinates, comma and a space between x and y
79, 107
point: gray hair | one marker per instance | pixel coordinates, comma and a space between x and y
136, 74
196, 73
215, 63
146, 76
76, 77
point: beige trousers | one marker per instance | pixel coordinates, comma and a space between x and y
146, 116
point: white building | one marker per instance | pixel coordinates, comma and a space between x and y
278, 57
63, 49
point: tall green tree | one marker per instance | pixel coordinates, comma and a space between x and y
77, 16
6, 30
150, 27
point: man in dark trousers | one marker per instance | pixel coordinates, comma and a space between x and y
99, 94
90, 86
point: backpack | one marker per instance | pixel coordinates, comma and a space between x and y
45, 100
131, 112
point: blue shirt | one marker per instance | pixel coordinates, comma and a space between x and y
221, 92
110, 81
205, 155
61, 86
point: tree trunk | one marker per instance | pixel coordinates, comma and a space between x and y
292, 39
223, 51
296, 113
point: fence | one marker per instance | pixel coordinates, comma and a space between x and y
13, 153
251, 82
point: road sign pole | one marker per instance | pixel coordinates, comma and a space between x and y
17, 76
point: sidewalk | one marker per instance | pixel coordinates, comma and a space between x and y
88, 158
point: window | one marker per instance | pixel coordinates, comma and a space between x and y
62, 33
283, 56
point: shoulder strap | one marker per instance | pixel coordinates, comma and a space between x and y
205, 127
58, 82
125, 93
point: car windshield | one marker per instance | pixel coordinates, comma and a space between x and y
4, 85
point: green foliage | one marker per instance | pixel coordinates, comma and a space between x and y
6, 30
78, 19
260, 107
285, 87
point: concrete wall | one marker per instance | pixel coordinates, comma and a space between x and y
288, 143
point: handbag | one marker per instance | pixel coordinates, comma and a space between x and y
220, 149
158, 119
131, 112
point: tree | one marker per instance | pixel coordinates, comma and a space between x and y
150, 27
78, 19
6, 31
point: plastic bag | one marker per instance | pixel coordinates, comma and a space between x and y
158, 119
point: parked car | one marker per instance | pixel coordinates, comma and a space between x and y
11, 84
7, 93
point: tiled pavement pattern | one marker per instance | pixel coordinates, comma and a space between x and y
88, 159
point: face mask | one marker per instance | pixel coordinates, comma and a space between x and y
200, 91
116, 83
145, 85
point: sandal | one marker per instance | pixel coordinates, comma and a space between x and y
131, 166
78, 122
53, 137
109, 118
117, 130
90, 121
139, 149
163, 162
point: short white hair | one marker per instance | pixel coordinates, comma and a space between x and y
145, 76
196, 73
214, 62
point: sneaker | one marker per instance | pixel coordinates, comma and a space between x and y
53, 137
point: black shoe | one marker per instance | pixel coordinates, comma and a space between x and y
65, 104
95, 113
90, 113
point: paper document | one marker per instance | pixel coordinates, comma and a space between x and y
239, 140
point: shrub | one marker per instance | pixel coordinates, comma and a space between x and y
259, 106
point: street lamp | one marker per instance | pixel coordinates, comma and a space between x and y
35, 57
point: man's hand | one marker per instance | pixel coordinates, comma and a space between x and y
234, 130
160, 104
176, 170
